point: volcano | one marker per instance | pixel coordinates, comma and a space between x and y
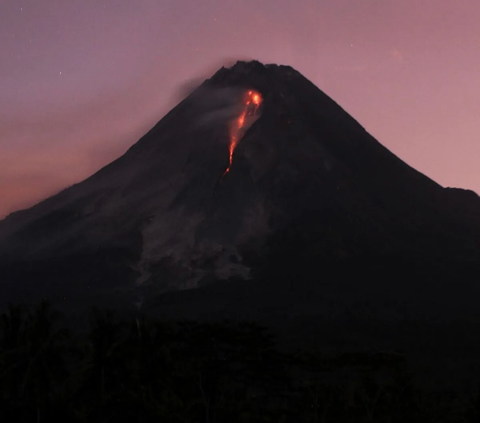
256, 163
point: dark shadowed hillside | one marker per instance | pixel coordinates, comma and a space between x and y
162, 218
314, 228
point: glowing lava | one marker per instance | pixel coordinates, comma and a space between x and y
251, 103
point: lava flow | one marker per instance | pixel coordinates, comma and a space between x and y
251, 101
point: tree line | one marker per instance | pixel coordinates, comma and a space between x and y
146, 370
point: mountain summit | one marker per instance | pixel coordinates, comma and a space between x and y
255, 152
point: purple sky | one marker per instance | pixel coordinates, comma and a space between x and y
82, 80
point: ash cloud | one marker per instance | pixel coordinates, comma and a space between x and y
212, 106
216, 106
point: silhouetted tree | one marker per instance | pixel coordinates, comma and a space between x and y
147, 371
34, 351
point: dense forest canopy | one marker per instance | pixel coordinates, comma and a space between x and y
146, 370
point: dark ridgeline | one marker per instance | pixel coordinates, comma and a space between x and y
317, 230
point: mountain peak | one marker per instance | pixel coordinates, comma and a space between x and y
251, 74
255, 151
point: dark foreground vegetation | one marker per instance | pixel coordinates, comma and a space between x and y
152, 371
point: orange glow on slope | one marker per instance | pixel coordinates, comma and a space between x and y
251, 103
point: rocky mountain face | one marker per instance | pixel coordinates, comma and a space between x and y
167, 215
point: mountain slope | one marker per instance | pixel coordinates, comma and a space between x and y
162, 217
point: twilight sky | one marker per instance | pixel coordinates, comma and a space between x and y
82, 80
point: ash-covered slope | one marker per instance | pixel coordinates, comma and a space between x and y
162, 217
